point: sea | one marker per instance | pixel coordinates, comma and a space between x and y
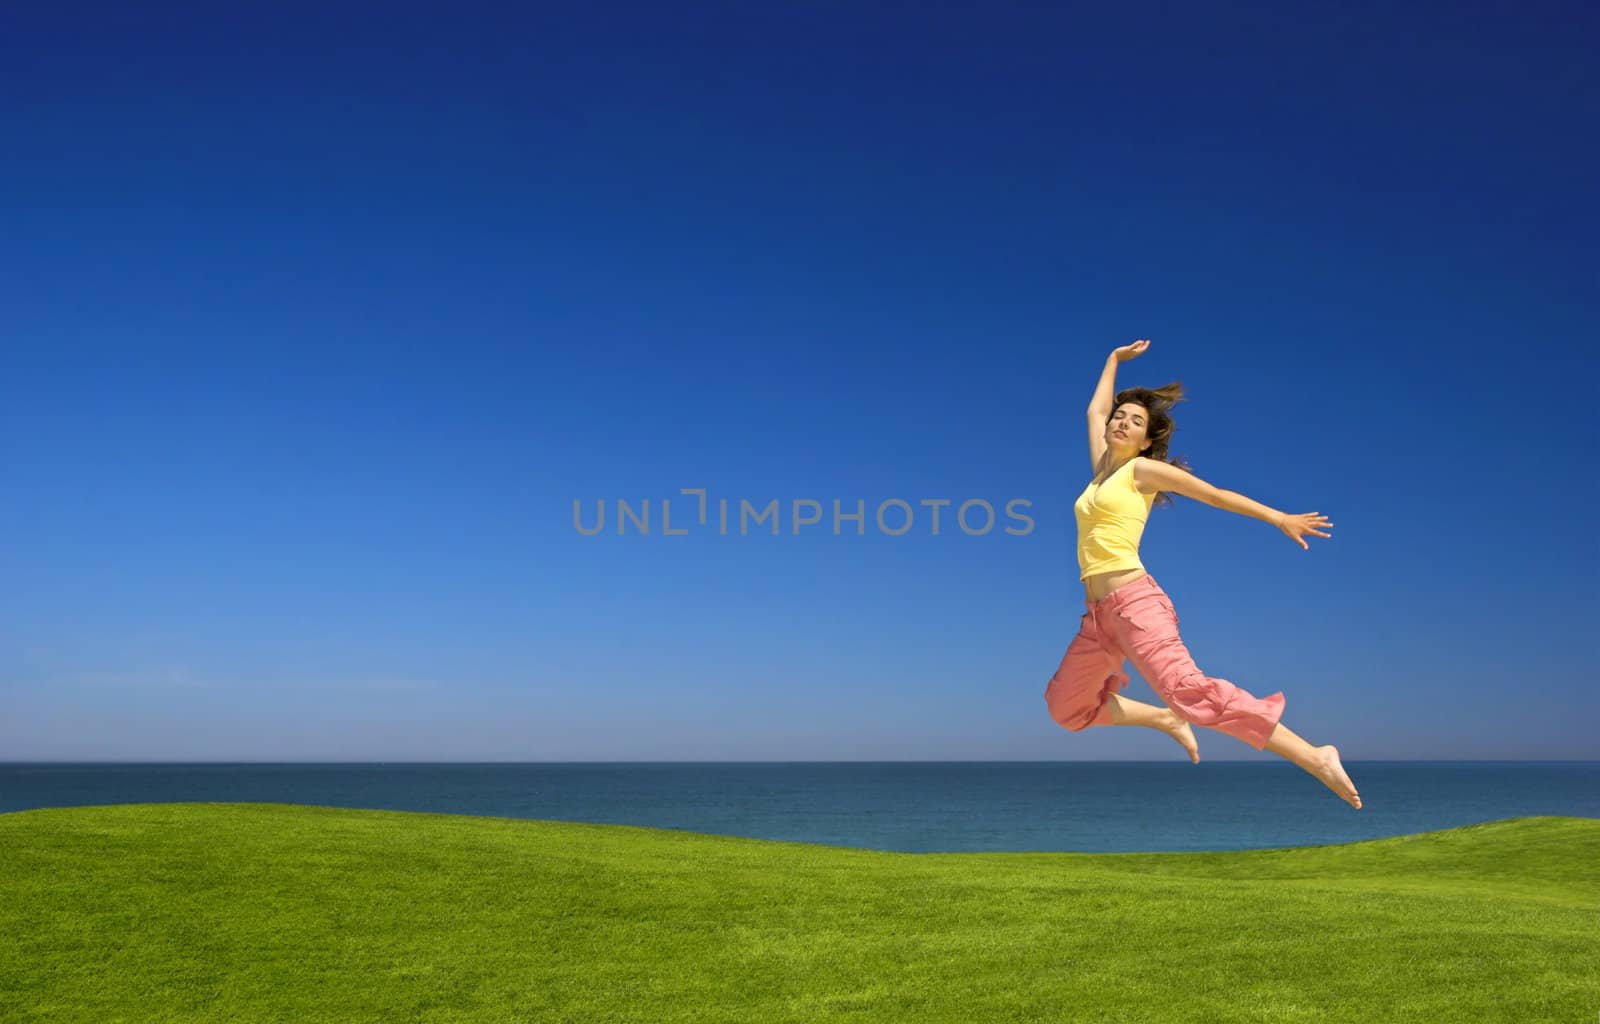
911, 807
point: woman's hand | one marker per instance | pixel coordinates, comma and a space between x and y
1128, 352
1303, 525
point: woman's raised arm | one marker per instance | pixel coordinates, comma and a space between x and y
1107, 388
1100, 403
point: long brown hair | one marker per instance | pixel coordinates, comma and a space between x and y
1159, 403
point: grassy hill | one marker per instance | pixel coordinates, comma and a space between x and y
275, 912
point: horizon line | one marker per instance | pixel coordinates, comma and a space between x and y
1372, 760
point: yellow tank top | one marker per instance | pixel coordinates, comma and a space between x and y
1110, 523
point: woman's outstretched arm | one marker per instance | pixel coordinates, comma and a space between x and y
1152, 474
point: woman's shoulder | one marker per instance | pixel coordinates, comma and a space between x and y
1143, 477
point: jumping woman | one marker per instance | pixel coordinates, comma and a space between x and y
1130, 617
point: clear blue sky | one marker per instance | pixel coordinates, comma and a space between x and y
317, 321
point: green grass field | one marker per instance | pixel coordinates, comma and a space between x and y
275, 912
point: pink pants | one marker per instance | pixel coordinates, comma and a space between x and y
1137, 622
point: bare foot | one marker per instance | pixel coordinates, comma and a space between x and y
1331, 772
1179, 730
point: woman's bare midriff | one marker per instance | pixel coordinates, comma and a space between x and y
1097, 587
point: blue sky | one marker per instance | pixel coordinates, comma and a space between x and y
318, 321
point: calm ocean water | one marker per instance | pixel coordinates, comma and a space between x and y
907, 806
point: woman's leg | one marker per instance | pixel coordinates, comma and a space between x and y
1083, 691
1148, 629
1127, 711
1323, 762
1148, 625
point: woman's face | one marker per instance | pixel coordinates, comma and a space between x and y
1129, 427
